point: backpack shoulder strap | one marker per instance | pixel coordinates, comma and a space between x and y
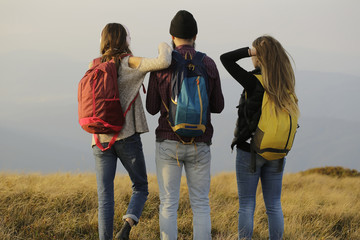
199, 57
178, 57
259, 77
123, 55
198, 61
112, 141
96, 61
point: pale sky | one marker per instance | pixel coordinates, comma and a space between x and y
314, 32
47, 44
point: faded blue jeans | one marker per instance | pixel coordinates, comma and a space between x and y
271, 182
196, 162
130, 153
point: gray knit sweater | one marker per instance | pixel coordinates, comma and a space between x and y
130, 81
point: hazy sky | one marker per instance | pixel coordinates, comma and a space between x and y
320, 35
47, 44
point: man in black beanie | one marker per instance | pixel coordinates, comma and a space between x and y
172, 151
183, 25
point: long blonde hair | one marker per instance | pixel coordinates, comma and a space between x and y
278, 74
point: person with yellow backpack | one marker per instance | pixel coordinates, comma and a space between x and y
265, 129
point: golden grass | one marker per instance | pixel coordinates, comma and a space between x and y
64, 206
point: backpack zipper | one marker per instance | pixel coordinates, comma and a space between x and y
201, 106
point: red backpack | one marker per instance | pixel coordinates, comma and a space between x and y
99, 105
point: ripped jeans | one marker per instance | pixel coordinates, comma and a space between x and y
130, 153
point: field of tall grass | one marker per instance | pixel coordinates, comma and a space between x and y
64, 206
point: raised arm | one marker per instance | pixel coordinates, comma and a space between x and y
242, 76
162, 61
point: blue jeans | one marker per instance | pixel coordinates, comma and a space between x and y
271, 182
130, 153
171, 157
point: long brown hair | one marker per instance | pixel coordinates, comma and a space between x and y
278, 74
113, 42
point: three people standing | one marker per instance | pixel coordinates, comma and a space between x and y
172, 151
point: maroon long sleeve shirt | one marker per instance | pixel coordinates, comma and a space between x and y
159, 88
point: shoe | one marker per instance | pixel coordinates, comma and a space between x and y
124, 232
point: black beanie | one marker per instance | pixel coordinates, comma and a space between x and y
183, 25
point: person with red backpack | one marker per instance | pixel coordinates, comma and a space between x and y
114, 45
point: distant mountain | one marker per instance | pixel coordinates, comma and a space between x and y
330, 116
328, 133
323, 142
29, 151
332, 95
40, 132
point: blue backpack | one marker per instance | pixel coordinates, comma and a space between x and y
189, 102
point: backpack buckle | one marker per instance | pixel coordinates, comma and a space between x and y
191, 67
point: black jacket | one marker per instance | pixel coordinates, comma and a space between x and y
249, 111
249, 108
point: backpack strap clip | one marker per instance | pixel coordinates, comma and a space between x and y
191, 67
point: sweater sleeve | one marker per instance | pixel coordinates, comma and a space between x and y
242, 76
162, 61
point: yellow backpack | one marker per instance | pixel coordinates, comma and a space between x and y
275, 133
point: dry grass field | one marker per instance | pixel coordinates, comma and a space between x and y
316, 205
